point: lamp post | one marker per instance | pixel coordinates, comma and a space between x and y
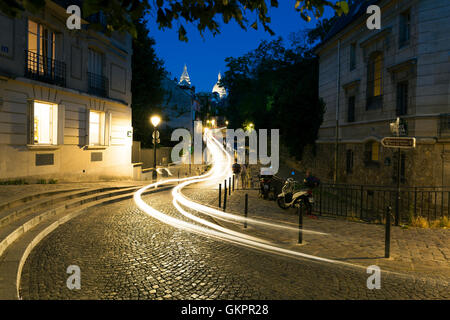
155, 120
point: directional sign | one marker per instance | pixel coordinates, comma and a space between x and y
157, 134
399, 142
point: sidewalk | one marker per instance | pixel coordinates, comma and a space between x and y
414, 251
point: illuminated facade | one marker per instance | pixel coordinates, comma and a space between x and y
64, 100
367, 78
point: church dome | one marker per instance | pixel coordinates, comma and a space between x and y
221, 91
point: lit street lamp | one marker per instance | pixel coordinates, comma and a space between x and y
155, 120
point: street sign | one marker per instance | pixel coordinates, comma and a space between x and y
157, 134
399, 142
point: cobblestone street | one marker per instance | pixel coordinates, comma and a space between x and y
125, 254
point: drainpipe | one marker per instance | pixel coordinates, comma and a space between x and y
338, 80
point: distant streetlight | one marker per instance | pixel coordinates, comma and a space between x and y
213, 122
155, 120
226, 122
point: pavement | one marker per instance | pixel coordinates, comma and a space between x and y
125, 254
416, 252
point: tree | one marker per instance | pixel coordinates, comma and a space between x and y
148, 95
276, 87
122, 14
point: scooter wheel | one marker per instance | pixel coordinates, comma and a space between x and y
282, 204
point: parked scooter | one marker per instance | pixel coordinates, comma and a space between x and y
293, 196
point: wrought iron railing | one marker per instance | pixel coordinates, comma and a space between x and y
45, 69
97, 84
369, 203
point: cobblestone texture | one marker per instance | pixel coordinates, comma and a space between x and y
415, 251
125, 254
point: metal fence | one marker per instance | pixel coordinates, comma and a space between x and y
369, 203
42, 68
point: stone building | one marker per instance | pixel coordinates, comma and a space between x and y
64, 99
368, 78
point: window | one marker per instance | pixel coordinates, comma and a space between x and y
40, 56
349, 161
44, 123
97, 83
352, 56
402, 98
41, 43
375, 81
404, 29
96, 61
372, 154
351, 109
96, 128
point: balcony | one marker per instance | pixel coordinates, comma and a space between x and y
97, 84
45, 69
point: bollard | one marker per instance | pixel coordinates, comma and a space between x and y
220, 195
246, 210
178, 182
229, 186
387, 235
300, 223
225, 198
233, 182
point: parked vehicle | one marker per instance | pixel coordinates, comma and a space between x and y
294, 194
266, 187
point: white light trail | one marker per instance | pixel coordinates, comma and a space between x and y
220, 169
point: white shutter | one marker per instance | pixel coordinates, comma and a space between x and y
61, 124
88, 112
108, 122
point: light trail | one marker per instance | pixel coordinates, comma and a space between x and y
219, 170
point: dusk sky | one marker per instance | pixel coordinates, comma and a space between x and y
206, 57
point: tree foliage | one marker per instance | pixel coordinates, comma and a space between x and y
275, 86
148, 95
204, 14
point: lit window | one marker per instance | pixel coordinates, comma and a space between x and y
45, 118
96, 127
374, 81
375, 151
41, 45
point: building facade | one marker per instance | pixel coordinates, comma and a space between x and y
64, 99
368, 78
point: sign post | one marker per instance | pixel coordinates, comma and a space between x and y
398, 128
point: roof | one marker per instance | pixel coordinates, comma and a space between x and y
357, 9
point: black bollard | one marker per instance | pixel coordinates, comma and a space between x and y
387, 234
233, 182
225, 198
246, 210
220, 195
229, 186
300, 223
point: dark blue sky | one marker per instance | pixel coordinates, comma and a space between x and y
205, 57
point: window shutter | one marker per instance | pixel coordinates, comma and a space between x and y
61, 124
30, 122
88, 112
108, 122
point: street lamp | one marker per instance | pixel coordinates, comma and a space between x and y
155, 120
226, 122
